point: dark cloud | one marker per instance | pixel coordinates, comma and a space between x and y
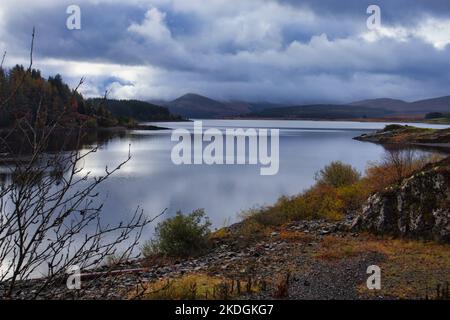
394, 11
290, 51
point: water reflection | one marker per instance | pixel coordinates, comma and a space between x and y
150, 180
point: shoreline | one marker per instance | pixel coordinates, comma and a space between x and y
398, 135
376, 120
321, 259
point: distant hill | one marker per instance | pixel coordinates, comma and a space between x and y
322, 111
196, 106
382, 103
441, 104
257, 107
139, 110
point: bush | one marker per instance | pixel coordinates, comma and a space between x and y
353, 196
395, 166
257, 219
180, 236
338, 190
338, 174
320, 202
393, 127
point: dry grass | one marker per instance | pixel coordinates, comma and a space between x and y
395, 167
319, 202
334, 248
196, 286
220, 235
408, 269
295, 236
250, 230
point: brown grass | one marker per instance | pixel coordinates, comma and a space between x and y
195, 286
394, 168
220, 235
295, 236
410, 269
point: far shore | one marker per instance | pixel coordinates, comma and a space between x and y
104, 129
382, 120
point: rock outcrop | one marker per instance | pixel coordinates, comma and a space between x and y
417, 208
408, 135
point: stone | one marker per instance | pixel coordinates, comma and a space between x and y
417, 208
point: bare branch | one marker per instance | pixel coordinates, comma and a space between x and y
3, 59
50, 211
19, 85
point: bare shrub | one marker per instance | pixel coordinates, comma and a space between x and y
396, 165
50, 214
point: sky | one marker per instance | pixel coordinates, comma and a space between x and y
285, 51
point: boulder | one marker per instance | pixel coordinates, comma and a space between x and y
418, 208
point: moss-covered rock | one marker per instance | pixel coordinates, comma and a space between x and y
417, 208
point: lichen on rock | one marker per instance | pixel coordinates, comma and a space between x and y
417, 208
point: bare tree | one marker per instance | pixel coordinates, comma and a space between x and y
50, 211
402, 161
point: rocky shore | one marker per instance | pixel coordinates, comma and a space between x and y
408, 135
282, 250
307, 259
404, 230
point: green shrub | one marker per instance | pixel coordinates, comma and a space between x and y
338, 190
338, 174
320, 202
393, 127
353, 196
180, 236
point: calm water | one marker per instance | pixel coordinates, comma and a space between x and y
153, 182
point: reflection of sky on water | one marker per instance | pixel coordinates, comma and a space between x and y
152, 181
293, 124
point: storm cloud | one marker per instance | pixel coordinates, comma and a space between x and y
254, 50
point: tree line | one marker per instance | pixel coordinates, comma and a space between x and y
45, 101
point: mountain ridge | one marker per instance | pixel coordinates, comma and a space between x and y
192, 105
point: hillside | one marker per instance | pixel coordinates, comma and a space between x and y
321, 112
26, 94
196, 106
384, 103
138, 110
441, 104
